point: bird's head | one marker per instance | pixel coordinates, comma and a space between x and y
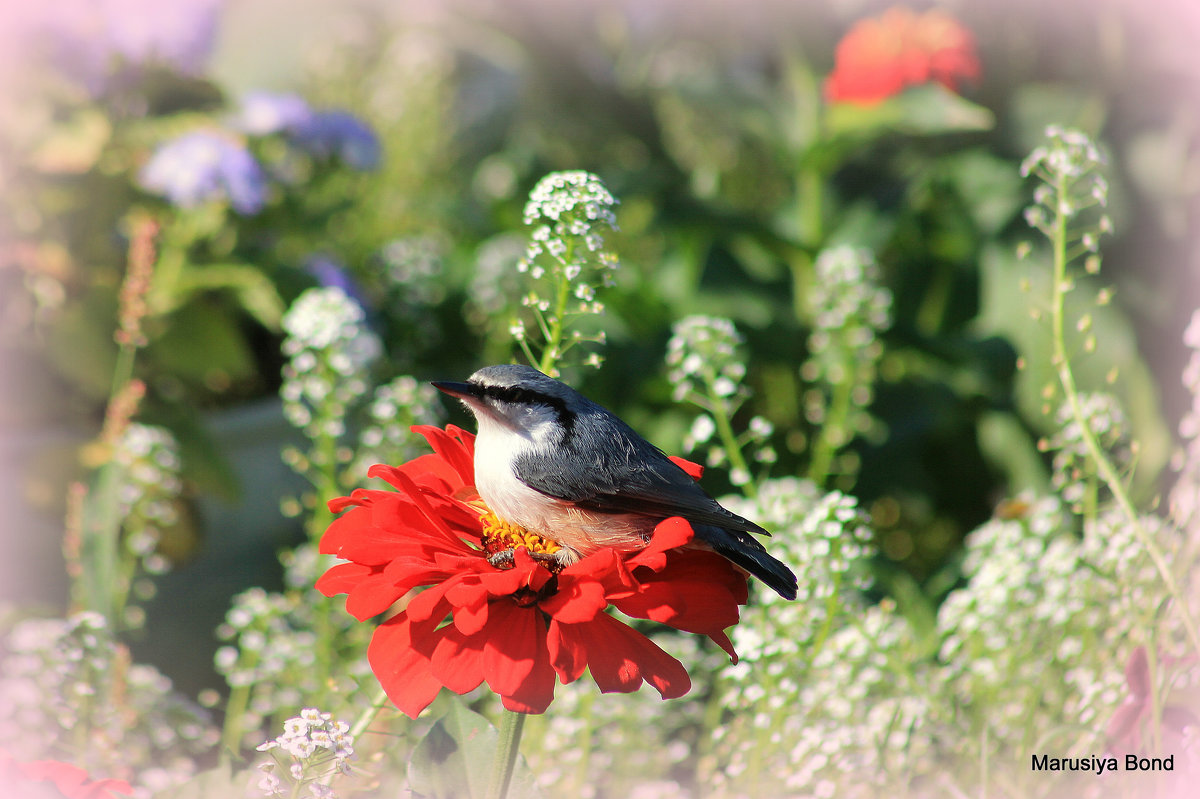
518, 399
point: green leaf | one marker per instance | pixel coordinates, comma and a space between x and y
991, 186
454, 760
203, 345
920, 111
255, 292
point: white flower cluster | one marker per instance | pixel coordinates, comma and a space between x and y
394, 408
1068, 166
850, 308
817, 707
574, 202
1040, 625
149, 486
330, 351
847, 718
1073, 473
314, 748
825, 537
275, 652
568, 213
69, 690
705, 367
415, 267
704, 360
566, 209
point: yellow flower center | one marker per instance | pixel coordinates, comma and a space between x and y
499, 535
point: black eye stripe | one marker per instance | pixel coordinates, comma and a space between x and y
527, 396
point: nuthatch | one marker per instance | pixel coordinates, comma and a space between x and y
557, 464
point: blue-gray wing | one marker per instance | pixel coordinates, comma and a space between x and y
618, 471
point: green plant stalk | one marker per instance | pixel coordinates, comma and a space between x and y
719, 408
1104, 466
364, 720
235, 712
835, 420
505, 760
98, 587
553, 350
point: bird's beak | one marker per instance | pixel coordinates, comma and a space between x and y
463, 391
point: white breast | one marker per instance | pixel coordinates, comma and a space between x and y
496, 449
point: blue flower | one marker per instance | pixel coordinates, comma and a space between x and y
262, 113
206, 165
340, 134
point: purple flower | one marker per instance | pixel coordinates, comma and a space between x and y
262, 113
341, 135
202, 166
331, 273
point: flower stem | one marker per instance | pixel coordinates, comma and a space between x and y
833, 433
1104, 466
554, 346
235, 712
368, 715
733, 449
505, 759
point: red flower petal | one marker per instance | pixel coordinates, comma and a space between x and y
670, 534
457, 660
694, 470
370, 591
879, 57
620, 658
403, 671
516, 662
576, 601
454, 445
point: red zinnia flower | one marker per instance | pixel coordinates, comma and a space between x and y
515, 627
71, 781
881, 56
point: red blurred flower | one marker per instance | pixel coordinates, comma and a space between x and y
520, 626
70, 781
881, 56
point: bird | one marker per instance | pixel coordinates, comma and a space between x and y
554, 462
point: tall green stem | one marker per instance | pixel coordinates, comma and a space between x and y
1104, 466
833, 432
505, 759
562, 294
737, 461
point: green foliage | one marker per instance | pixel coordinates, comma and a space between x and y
943, 409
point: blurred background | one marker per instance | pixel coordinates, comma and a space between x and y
426, 124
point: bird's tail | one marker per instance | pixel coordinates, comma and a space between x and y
744, 550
